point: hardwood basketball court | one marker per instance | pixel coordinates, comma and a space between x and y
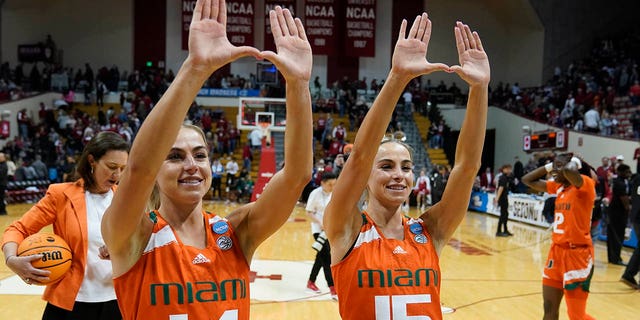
483, 277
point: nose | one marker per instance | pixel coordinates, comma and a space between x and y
117, 172
397, 174
190, 164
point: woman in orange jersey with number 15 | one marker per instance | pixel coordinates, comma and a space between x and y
569, 266
179, 262
383, 263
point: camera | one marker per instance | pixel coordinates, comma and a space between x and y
320, 241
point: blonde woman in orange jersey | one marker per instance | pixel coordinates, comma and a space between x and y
569, 266
383, 263
179, 262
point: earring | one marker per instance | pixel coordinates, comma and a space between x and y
91, 169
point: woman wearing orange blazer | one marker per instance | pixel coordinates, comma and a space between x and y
75, 210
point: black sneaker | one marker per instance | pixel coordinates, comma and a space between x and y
630, 281
501, 234
509, 234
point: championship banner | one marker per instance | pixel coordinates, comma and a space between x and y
187, 14
270, 5
320, 21
240, 22
360, 20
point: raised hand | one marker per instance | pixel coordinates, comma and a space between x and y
474, 64
294, 58
410, 54
208, 43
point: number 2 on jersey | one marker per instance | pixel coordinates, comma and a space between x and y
559, 219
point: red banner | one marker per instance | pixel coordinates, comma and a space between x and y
360, 19
187, 14
320, 22
240, 22
270, 5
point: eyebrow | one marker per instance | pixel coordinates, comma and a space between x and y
197, 148
110, 163
389, 160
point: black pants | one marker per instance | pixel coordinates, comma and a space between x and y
231, 178
84, 311
323, 260
615, 237
634, 263
216, 185
504, 216
3, 208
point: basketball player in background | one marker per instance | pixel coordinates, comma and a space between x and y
75, 210
380, 240
178, 244
569, 266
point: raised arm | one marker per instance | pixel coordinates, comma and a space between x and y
124, 227
443, 218
342, 218
256, 221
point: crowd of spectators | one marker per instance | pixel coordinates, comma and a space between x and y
53, 137
585, 96
599, 93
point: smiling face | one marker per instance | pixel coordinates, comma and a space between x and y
108, 169
185, 175
391, 178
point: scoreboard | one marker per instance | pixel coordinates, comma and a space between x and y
545, 140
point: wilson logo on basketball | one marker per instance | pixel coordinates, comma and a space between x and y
56, 254
51, 255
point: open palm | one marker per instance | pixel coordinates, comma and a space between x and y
474, 63
410, 54
294, 58
208, 43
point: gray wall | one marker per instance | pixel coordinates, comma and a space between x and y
101, 32
523, 38
98, 32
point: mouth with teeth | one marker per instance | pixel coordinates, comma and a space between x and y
396, 188
190, 181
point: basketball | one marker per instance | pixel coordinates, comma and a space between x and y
56, 255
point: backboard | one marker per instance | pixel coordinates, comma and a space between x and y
253, 111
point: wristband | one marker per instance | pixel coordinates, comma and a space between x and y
577, 161
548, 166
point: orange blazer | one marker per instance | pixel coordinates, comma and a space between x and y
64, 207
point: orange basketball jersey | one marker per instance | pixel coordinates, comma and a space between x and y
385, 279
173, 281
573, 209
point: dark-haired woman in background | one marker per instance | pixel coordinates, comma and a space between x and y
75, 210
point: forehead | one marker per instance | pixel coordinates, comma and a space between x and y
115, 156
393, 151
188, 138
